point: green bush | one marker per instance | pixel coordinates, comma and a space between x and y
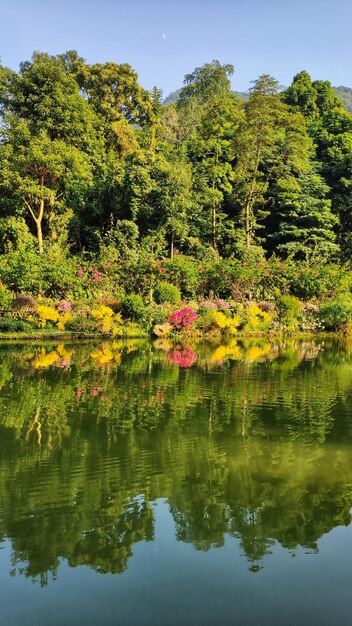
334, 315
156, 314
5, 297
165, 292
133, 308
82, 325
186, 273
10, 325
289, 306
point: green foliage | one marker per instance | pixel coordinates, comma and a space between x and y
5, 297
133, 308
99, 183
165, 292
10, 325
289, 309
289, 306
336, 314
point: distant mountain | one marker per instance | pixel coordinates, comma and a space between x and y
174, 96
344, 93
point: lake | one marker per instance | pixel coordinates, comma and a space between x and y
150, 483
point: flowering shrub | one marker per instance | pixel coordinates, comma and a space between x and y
46, 314
108, 321
256, 320
63, 306
162, 330
222, 304
310, 320
182, 319
209, 304
63, 320
230, 324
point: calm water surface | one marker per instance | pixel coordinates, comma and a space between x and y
154, 484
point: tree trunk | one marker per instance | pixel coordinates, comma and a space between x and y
38, 224
213, 219
248, 223
172, 245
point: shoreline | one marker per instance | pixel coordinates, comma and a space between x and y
69, 336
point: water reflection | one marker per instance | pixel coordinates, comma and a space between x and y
250, 440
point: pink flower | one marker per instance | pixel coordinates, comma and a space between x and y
97, 275
182, 319
80, 272
78, 393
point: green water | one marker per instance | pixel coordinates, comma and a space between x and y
151, 484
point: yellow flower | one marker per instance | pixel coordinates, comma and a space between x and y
46, 314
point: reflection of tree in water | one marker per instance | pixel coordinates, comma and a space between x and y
107, 547
258, 451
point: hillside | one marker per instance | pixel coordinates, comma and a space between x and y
344, 93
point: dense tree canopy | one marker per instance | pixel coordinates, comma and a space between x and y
84, 147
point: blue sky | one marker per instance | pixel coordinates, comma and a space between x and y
165, 39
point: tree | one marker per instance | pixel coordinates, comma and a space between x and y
212, 79
305, 221
39, 173
50, 139
330, 127
159, 195
212, 154
271, 142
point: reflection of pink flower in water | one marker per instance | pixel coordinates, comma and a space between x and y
184, 357
78, 393
64, 362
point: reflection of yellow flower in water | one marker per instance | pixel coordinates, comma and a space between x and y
65, 356
105, 355
255, 353
231, 350
60, 357
45, 359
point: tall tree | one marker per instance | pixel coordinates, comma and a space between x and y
303, 217
211, 152
50, 139
271, 142
330, 127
